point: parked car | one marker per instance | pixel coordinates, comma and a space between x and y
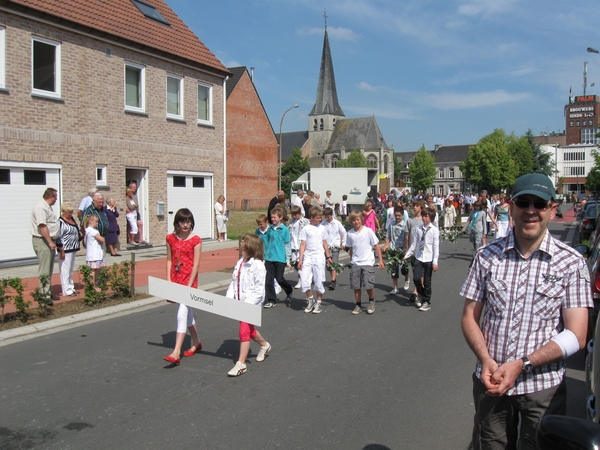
588, 221
588, 203
562, 432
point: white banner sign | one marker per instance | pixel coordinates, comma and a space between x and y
206, 301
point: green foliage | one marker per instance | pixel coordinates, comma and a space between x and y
489, 164
21, 305
354, 159
119, 278
395, 261
295, 166
92, 294
42, 295
592, 183
397, 167
422, 170
4, 296
521, 154
335, 267
542, 161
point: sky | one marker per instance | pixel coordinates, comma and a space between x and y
431, 72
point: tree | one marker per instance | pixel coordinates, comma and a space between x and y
521, 154
354, 159
295, 166
422, 170
489, 164
542, 162
592, 183
397, 167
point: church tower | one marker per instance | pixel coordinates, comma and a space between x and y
326, 111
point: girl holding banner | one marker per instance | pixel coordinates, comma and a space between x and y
248, 285
183, 259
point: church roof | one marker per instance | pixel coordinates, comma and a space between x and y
291, 140
327, 101
363, 133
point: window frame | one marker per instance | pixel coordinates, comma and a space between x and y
451, 173
57, 68
180, 96
102, 181
209, 108
142, 87
2, 57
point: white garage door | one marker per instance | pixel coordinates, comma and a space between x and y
21, 187
192, 190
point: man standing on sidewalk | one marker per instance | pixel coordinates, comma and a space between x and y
44, 230
536, 293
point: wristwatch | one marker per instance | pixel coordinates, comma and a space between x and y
527, 366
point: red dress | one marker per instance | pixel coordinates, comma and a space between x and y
182, 259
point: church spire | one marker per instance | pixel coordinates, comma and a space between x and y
327, 101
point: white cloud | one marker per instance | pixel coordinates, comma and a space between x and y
454, 101
364, 86
342, 34
486, 8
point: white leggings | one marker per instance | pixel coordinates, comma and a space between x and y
185, 318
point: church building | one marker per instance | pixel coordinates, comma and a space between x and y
331, 136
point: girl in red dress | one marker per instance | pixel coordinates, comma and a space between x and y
183, 259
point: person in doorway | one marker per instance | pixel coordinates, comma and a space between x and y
140, 224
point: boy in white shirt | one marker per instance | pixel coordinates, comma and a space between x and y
361, 241
314, 253
335, 234
426, 247
296, 224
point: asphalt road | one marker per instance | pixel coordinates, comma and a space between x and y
397, 379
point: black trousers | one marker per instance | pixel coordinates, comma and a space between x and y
275, 271
423, 270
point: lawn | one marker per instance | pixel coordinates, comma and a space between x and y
242, 222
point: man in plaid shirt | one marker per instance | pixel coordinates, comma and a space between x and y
536, 292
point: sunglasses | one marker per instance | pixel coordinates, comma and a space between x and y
542, 205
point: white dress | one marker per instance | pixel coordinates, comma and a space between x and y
221, 218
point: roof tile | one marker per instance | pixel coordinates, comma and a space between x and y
121, 18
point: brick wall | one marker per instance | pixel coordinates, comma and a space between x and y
251, 149
88, 125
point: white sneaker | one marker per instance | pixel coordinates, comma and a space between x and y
394, 291
317, 309
298, 286
357, 310
238, 369
310, 306
425, 307
371, 307
406, 285
264, 351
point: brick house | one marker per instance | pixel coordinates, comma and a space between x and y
251, 145
101, 93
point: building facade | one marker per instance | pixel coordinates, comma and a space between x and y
101, 94
581, 120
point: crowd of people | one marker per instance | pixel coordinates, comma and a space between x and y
96, 227
527, 294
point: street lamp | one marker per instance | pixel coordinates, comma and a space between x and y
280, 125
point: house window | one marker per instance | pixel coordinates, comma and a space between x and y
135, 87
179, 181
588, 136
4, 176
571, 123
577, 171
334, 161
174, 97
204, 104
441, 173
101, 175
441, 190
451, 170
198, 182
36, 177
2, 58
45, 67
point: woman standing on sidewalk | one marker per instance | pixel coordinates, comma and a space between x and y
183, 260
68, 246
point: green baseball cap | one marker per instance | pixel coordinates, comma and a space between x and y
536, 184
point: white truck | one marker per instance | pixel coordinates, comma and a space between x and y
355, 182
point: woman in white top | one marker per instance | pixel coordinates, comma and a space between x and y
221, 216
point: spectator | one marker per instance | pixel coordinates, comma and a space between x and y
97, 209
278, 199
298, 201
140, 225
67, 243
112, 237
221, 217
44, 231
85, 202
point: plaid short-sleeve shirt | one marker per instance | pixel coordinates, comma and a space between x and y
523, 302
